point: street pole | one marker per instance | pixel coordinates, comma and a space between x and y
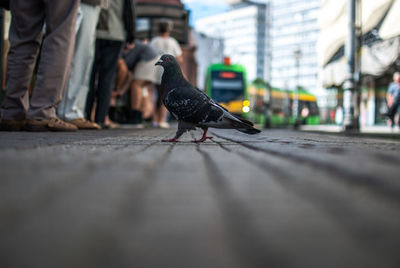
2, 18
350, 122
295, 112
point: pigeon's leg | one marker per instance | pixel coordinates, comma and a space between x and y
179, 133
170, 140
204, 136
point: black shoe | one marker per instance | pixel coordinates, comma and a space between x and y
135, 117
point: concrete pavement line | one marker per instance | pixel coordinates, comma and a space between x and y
13, 216
137, 190
141, 186
244, 240
371, 183
358, 226
53, 189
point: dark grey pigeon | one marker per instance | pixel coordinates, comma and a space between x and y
192, 107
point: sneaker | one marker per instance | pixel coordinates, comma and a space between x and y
49, 124
164, 125
83, 123
12, 125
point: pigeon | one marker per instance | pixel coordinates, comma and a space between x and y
191, 107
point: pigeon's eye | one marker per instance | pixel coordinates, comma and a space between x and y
167, 59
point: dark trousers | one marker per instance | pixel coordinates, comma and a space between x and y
28, 18
393, 109
103, 78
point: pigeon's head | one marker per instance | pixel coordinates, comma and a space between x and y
166, 60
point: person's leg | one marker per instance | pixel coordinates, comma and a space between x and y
73, 103
91, 96
136, 94
397, 104
25, 38
55, 58
110, 53
123, 76
136, 98
158, 104
148, 107
161, 110
162, 114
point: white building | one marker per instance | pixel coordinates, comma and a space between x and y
244, 29
294, 35
209, 50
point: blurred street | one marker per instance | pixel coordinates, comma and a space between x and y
121, 198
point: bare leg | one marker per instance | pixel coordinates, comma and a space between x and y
162, 114
136, 94
148, 101
204, 137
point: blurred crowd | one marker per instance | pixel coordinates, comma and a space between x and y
78, 65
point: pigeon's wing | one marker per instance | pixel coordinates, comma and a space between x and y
211, 100
192, 105
226, 113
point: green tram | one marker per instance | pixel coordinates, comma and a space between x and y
273, 107
265, 106
226, 84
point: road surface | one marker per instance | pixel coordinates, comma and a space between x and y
122, 198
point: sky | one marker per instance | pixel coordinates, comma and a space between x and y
202, 8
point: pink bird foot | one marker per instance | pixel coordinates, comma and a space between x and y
170, 140
203, 139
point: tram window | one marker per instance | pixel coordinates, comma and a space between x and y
313, 108
227, 84
226, 88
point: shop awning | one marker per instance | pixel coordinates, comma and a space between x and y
390, 27
333, 23
375, 60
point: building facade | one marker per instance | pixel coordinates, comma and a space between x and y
294, 34
208, 50
245, 30
149, 13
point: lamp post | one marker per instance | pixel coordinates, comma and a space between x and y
2, 17
295, 110
350, 122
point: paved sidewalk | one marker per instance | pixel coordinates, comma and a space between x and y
122, 198
377, 129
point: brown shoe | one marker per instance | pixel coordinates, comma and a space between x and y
83, 123
49, 124
12, 125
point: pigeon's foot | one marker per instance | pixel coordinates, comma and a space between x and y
170, 140
203, 139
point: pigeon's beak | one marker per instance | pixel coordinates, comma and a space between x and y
159, 62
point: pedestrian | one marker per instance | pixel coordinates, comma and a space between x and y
393, 99
116, 28
166, 45
28, 18
72, 106
141, 62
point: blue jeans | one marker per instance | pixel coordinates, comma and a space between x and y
72, 106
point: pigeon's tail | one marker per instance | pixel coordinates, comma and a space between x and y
249, 130
243, 120
243, 125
